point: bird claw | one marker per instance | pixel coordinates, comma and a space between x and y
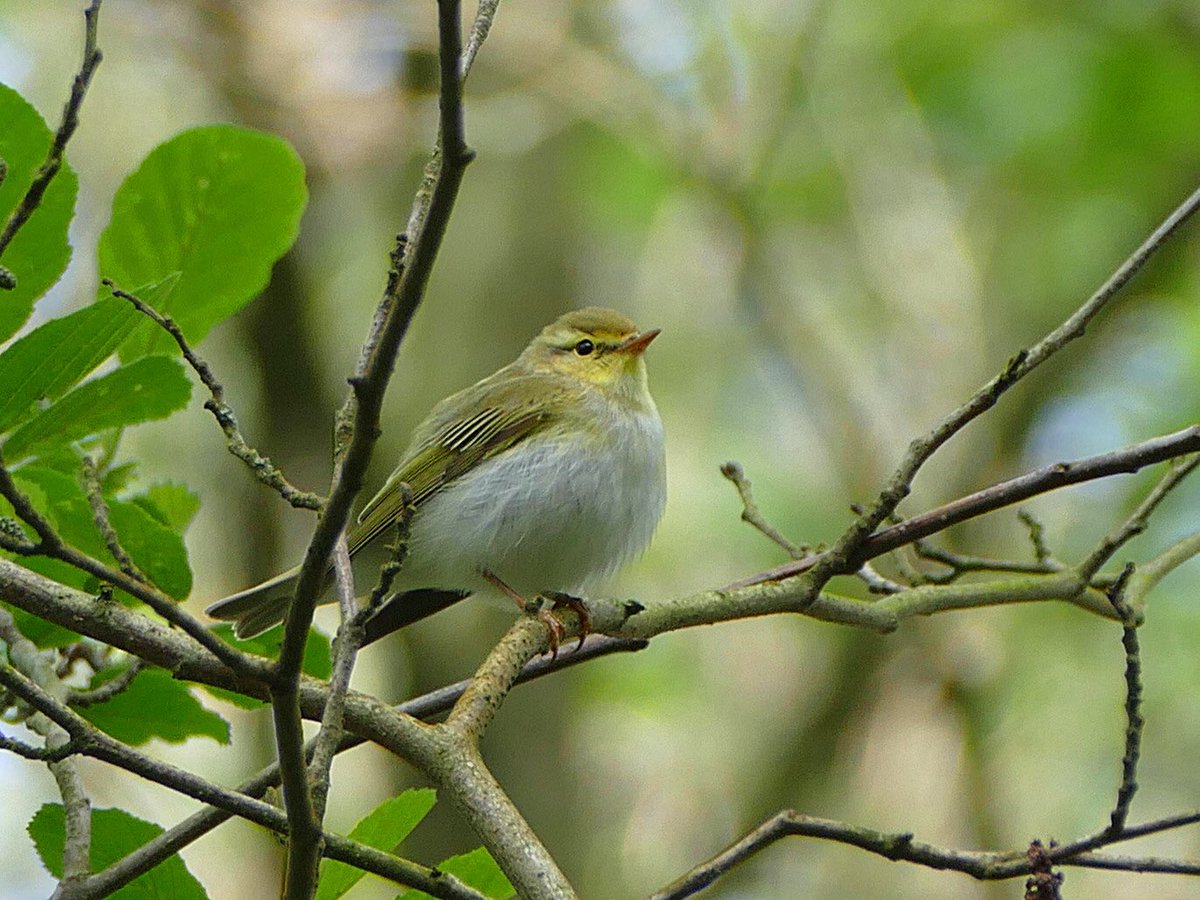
554, 630
577, 606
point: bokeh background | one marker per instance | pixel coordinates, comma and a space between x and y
844, 216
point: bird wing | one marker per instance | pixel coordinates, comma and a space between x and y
461, 432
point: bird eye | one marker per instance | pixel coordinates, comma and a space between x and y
584, 347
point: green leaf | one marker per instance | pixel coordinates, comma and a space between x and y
155, 705
146, 389
43, 634
47, 362
172, 504
115, 834
38, 255
476, 869
219, 205
318, 661
156, 549
383, 828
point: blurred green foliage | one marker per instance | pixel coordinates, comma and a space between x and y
845, 217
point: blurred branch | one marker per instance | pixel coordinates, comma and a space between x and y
346, 642
262, 467
54, 157
1136, 523
1150, 573
30, 667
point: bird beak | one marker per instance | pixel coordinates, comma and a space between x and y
636, 344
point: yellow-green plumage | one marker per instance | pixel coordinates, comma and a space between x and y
549, 473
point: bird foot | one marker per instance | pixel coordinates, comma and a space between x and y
577, 606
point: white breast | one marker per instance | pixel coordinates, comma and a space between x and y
542, 518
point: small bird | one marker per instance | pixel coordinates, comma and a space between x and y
540, 480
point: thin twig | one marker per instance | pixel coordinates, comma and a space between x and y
985, 865
1136, 523
1134, 721
1037, 537
108, 690
751, 513
1040, 481
961, 563
346, 642
850, 550
484, 16
100, 515
51, 544
877, 583
97, 744
70, 121
262, 467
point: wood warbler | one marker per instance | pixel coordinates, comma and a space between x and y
542, 478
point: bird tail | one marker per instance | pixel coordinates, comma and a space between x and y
256, 609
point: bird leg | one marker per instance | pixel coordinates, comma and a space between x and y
533, 607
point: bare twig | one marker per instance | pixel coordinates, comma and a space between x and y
70, 121
1136, 523
100, 515
961, 563
751, 513
1037, 537
108, 690
1133, 702
850, 550
1040, 481
1151, 572
262, 467
985, 865
95, 743
50, 544
346, 642
484, 16
877, 583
